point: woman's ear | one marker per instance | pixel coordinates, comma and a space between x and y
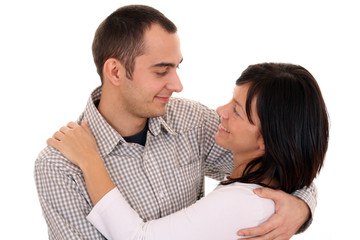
113, 71
261, 143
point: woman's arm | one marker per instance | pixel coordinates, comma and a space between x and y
217, 216
78, 145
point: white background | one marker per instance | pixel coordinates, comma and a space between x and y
47, 74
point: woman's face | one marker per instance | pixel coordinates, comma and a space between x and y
235, 131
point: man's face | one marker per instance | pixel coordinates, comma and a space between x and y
154, 77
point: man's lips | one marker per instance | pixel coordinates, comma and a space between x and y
163, 98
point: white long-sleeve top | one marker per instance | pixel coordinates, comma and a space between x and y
219, 215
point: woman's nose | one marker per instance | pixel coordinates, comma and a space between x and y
222, 111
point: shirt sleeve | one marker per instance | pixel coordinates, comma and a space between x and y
218, 216
309, 196
64, 203
218, 160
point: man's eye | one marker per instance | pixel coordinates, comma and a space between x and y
162, 73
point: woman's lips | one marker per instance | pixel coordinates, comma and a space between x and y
223, 129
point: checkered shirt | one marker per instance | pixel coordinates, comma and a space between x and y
162, 177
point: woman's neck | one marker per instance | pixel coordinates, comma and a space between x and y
240, 163
241, 160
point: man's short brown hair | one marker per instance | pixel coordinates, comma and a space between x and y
120, 35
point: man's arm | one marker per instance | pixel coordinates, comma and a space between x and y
293, 214
309, 196
63, 200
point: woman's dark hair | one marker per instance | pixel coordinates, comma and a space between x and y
294, 125
120, 35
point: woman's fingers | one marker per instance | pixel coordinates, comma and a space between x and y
58, 135
64, 130
85, 125
72, 125
54, 143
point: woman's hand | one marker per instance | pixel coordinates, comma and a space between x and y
76, 143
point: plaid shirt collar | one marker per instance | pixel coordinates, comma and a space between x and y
108, 138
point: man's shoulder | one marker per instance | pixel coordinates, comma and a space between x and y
50, 159
188, 112
186, 103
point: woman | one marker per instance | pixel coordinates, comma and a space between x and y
276, 125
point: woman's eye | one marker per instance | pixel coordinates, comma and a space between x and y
235, 112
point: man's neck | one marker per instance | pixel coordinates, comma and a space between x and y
121, 120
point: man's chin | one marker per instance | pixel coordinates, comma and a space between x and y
157, 112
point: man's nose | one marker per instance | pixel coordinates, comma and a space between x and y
174, 83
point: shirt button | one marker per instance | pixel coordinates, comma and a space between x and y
161, 194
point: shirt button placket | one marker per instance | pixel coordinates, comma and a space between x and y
153, 172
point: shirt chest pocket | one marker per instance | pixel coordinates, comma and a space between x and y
188, 161
184, 152
188, 173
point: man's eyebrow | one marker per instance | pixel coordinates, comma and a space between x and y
166, 64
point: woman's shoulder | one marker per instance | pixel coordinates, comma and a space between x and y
241, 187
242, 198
241, 191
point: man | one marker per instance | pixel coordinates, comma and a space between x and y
156, 149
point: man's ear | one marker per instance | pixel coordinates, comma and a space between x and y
113, 71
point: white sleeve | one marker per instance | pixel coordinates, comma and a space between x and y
114, 217
217, 216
